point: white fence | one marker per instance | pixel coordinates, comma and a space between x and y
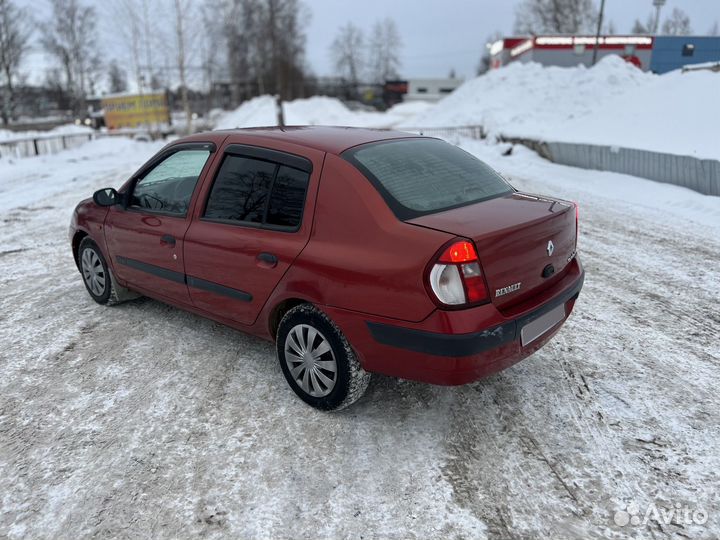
42, 144
701, 175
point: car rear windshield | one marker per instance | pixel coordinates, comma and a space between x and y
423, 176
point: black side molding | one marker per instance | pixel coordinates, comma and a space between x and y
216, 288
456, 345
179, 277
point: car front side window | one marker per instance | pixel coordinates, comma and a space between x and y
169, 186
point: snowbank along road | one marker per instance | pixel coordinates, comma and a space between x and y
144, 421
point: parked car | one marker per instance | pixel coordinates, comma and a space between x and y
356, 251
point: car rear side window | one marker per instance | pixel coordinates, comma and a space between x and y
424, 176
288, 197
256, 191
240, 190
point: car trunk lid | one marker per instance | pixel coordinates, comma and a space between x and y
518, 237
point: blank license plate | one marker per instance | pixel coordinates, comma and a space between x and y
531, 331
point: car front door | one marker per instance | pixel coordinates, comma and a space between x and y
252, 221
145, 234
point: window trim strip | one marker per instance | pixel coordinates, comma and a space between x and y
275, 156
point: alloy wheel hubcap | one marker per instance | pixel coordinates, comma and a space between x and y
310, 360
93, 272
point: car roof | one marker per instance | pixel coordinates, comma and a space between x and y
332, 139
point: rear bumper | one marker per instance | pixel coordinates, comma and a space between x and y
440, 350
456, 345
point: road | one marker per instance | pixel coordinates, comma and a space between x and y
144, 421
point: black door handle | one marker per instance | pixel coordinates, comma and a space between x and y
167, 239
267, 259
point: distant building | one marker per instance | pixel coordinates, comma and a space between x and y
393, 91
430, 89
674, 52
396, 91
33, 102
658, 54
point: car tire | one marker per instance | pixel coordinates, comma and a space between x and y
309, 346
97, 277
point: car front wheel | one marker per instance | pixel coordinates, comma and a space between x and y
94, 271
317, 360
98, 278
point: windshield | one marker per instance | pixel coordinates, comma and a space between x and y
423, 176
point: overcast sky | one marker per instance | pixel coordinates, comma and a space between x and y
441, 34
437, 35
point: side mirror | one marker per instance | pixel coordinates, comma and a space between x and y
106, 197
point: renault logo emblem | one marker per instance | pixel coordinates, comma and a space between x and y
550, 248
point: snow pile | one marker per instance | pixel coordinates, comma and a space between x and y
318, 110
676, 113
528, 99
261, 111
407, 113
612, 103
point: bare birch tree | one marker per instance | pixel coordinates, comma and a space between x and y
677, 24
129, 29
644, 28
71, 37
555, 17
347, 52
182, 18
15, 32
384, 51
116, 78
265, 41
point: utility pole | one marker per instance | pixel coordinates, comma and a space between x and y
658, 6
279, 110
597, 33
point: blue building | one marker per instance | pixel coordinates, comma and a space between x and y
674, 52
658, 54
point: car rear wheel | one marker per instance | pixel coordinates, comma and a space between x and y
317, 360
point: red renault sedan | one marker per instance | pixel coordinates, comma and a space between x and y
356, 251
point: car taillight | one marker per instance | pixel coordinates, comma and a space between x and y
456, 276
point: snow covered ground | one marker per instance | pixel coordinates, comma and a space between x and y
144, 421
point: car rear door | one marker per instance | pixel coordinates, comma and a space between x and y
253, 219
145, 235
